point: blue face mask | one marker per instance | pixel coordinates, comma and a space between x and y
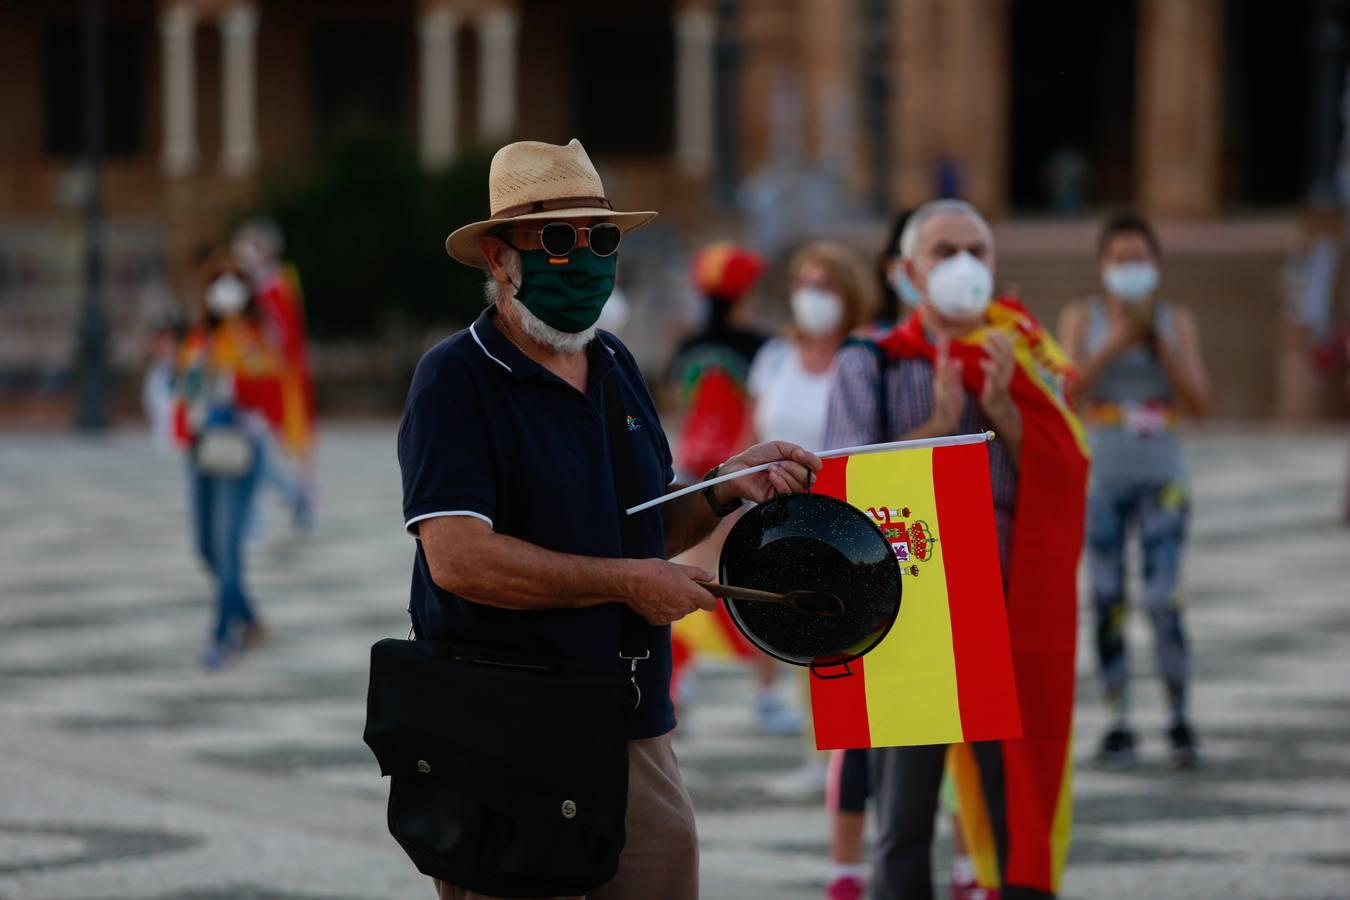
904, 288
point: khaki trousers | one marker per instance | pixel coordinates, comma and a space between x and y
660, 856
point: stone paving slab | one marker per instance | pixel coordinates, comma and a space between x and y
127, 772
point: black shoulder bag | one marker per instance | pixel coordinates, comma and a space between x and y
509, 773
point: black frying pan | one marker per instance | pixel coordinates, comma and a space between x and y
814, 543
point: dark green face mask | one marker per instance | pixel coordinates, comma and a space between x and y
566, 293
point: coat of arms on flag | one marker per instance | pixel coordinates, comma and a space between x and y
943, 674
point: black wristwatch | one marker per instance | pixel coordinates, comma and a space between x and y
725, 509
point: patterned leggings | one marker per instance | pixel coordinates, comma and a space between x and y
1159, 513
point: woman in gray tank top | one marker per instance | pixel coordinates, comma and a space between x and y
1140, 367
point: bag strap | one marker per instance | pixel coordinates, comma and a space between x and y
634, 643
882, 389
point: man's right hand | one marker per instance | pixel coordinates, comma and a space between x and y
949, 393
663, 592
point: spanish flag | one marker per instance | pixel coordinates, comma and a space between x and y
1042, 602
943, 674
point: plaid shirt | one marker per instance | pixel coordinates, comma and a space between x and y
854, 419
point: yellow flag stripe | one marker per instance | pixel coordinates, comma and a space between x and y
911, 675
973, 815
1006, 319
703, 633
1062, 832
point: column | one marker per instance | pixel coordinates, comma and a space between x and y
767, 106
950, 99
239, 90
694, 101
828, 51
178, 78
439, 96
497, 32
1179, 107
916, 101
978, 75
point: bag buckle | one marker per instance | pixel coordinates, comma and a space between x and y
632, 673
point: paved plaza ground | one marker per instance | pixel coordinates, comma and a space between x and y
128, 772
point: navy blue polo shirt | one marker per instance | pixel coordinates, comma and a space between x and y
489, 433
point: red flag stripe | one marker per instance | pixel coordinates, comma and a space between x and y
961, 483
839, 704
832, 480
839, 707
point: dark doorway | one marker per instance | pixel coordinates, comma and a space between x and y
1072, 108
1274, 109
360, 77
600, 71
123, 83
623, 87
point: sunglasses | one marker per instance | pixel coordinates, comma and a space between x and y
560, 238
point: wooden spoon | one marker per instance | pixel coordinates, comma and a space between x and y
816, 603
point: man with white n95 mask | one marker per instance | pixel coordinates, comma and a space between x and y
966, 361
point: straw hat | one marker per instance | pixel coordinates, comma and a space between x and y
533, 180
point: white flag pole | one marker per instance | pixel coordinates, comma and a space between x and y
955, 440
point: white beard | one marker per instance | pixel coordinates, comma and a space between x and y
504, 295
538, 330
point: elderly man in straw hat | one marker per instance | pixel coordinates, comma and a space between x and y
509, 481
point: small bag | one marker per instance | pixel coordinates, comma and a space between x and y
224, 452
509, 773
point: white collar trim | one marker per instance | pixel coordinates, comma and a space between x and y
479, 342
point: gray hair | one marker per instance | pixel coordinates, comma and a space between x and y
909, 238
492, 288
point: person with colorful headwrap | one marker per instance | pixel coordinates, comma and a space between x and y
965, 361
710, 368
229, 401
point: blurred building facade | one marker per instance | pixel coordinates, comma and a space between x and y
1219, 117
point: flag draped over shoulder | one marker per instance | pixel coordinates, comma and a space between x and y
943, 673
1041, 585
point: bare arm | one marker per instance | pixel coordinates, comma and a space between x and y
688, 521
467, 558
1184, 365
1072, 333
1071, 330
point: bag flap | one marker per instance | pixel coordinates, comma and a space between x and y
436, 708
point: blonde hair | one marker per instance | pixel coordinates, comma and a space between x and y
846, 275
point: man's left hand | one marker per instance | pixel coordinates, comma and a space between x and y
794, 469
998, 372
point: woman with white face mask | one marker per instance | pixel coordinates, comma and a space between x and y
789, 385
791, 375
229, 398
1140, 367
